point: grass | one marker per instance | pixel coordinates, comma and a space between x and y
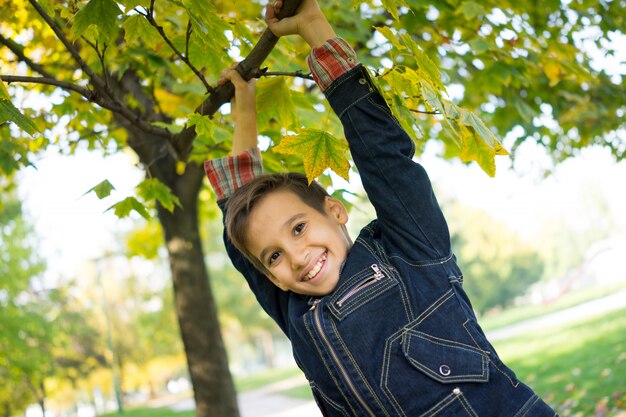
579, 368
261, 379
527, 312
151, 412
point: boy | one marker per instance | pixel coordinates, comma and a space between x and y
381, 326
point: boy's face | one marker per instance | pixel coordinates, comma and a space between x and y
301, 248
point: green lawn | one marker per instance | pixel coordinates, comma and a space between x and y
579, 368
517, 314
261, 379
151, 412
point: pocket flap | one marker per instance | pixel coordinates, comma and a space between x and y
445, 360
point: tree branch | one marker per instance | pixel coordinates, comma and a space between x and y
17, 51
183, 57
183, 141
95, 78
263, 72
88, 94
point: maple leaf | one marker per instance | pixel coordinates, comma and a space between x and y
319, 150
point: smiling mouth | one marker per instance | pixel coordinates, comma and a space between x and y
316, 268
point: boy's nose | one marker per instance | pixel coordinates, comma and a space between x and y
300, 258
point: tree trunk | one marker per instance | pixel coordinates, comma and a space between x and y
214, 391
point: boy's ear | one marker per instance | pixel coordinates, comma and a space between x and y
336, 210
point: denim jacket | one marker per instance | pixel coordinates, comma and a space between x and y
398, 336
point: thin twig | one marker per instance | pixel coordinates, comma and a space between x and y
95, 79
424, 112
187, 37
183, 57
19, 53
297, 74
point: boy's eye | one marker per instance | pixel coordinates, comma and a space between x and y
273, 257
298, 229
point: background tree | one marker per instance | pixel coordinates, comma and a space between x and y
497, 265
130, 73
26, 357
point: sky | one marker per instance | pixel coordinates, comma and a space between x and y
74, 227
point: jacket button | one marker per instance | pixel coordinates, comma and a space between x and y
362, 81
445, 370
456, 391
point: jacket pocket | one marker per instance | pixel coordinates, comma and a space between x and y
366, 286
443, 360
327, 406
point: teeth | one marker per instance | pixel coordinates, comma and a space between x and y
315, 269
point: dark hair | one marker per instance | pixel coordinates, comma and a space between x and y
242, 202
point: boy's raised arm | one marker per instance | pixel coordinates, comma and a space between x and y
229, 173
243, 110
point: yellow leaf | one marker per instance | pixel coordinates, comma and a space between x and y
319, 150
552, 69
475, 149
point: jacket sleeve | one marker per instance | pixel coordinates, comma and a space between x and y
227, 175
398, 187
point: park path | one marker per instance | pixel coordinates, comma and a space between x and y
267, 402
578, 312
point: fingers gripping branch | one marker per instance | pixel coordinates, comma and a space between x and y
248, 68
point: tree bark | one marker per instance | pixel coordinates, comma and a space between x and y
207, 361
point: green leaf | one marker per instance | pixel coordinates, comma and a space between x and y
475, 149
274, 102
431, 96
203, 124
427, 68
392, 6
99, 13
319, 150
479, 45
469, 119
471, 10
153, 189
102, 190
10, 113
4, 92
137, 27
124, 207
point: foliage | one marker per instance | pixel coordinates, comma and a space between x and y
497, 265
579, 367
521, 67
26, 357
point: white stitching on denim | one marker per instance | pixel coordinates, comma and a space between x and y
466, 405
514, 384
358, 369
460, 378
430, 310
431, 262
528, 405
440, 406
308, 328
384, 380
327, 399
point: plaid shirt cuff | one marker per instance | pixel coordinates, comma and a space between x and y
232, 172
331, 60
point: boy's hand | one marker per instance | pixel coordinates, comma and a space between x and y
244, 101
308, 22
242, 110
